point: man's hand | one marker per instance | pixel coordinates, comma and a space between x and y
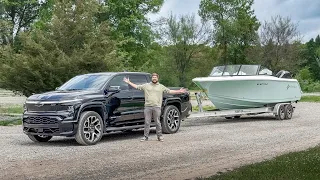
126, 80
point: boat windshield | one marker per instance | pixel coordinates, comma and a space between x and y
240, 70
217, 71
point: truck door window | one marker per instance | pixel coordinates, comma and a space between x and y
138, 79
118, 82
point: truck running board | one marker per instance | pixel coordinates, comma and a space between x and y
108, 129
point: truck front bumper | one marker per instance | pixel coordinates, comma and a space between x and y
50, 124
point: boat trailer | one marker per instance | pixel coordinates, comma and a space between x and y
281, 111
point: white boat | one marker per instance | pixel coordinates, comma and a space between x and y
248, 86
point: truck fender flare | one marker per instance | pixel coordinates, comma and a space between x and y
92, 105
172, 100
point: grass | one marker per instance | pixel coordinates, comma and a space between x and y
11, 109
11, 122
205, 108
296, 165
310, 99
8, 117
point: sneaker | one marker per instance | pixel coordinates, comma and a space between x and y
144, 139
160, 138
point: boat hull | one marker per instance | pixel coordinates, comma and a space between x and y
248, 92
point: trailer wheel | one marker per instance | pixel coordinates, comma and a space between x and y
281, 113
288, 111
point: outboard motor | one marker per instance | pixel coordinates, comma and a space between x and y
284, 74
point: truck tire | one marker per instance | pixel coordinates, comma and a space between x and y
39, 138
171, 120
89, 130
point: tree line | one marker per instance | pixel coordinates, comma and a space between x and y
45, 43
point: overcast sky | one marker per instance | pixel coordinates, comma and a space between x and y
304, 12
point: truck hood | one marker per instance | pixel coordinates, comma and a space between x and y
61, 95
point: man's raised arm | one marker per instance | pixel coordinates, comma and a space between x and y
169, 91
180, 91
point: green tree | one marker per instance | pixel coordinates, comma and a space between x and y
317, 40
183, 37
71, 44
246, 34
161, 62
311, 55
235, 25
130, 25
281, 44
17, 16
44, 14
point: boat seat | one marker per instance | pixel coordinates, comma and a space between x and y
284, 74
242, 73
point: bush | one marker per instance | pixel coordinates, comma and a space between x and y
307, 83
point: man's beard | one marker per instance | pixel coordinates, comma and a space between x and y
154, 81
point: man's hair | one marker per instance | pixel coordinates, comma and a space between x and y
155, 74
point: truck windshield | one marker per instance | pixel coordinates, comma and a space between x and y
85, 82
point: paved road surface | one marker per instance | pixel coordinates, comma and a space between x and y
202, 147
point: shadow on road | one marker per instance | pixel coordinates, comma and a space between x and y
109, 137
221, 120
137, 134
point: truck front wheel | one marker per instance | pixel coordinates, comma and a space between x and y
90, 128
171, 120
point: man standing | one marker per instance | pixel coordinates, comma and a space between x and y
153, 93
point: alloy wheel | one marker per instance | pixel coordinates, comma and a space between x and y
92, 128
173, 119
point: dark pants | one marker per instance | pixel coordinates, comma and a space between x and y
150, 112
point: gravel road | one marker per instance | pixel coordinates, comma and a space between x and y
202, 147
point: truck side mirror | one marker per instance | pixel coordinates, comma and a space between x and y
114, 89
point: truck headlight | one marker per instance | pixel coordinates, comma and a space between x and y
71, 106
70, 109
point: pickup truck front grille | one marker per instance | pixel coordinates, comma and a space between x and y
45, 107
41, 120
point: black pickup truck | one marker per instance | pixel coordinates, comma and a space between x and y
91, 105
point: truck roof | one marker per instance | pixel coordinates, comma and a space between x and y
116, 73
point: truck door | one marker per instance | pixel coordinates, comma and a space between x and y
121, 103
138, 95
